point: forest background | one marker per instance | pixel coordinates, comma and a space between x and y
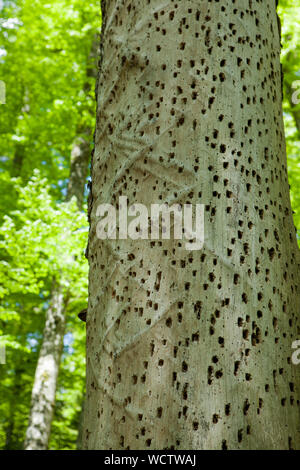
48, 64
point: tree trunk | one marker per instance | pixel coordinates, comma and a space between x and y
192, 349
80, 158
44, 389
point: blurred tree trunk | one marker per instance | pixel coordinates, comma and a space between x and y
45, 382
192, 349
44, 388
80, 158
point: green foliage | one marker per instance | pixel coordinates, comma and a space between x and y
290, 19
41, 241
45, 63
45, 56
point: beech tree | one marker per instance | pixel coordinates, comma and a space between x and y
192, 349
46, 374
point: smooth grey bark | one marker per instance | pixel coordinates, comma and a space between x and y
44, 388
192, 350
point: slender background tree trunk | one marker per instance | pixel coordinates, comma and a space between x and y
44, 388
192, 350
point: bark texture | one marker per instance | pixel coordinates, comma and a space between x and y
44, 388
192, 350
